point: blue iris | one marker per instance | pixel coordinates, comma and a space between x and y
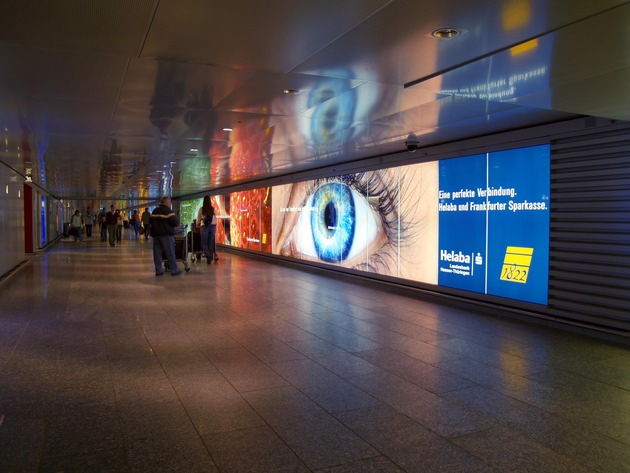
333, 221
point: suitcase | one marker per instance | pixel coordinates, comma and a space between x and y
181, 248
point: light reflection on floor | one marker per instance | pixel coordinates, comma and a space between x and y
246, 366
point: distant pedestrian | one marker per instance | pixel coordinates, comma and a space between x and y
207, 223
76, 222
146, 222
102, 220
111, 220
135, 222
119, 226
89, 221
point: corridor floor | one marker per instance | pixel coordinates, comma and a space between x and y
247, 366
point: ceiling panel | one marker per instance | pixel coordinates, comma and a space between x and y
65, 116
577, 69
165, 84
269, 36
396, 45
131, 98
71, 75
116, 27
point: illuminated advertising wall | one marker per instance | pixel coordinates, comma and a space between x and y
249, 219
477, 223
221, 203
379, 221
188, 211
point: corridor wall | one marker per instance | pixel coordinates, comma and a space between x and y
577, 246
11, 219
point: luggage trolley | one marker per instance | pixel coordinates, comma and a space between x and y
194, 244
181, 248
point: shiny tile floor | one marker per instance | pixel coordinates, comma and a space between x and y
252, 367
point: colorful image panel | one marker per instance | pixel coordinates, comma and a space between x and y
250, 219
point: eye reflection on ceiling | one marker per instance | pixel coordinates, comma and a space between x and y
96, 116
333, 113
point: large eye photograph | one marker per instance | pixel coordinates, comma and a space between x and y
336, 224
378, 221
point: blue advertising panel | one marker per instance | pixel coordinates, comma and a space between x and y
462, 231
494, 223
518, 232
43, 221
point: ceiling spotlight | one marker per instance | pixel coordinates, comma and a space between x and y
194, 150
227, 129
446, 33
291, 91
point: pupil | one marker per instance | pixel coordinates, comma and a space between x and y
330, 216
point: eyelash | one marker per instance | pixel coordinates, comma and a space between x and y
387, 193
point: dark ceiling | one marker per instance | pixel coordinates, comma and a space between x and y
129, 98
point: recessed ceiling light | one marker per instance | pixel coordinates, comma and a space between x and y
194, 150
227, 129
291, 91
446, 33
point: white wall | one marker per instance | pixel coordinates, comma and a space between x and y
11, 219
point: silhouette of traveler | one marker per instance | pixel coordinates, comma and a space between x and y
163, 223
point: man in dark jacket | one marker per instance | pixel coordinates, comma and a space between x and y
163, 223
145, 219
111, 220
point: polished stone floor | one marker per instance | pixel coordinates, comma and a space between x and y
252, 367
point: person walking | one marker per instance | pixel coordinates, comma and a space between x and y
89, 221
207, 223
163, 223
102, 219
111, 220
76, 222
119, 225
146, 222
135, 222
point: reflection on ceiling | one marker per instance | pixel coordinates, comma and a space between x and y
132, 99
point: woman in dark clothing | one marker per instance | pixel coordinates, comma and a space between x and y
207, 223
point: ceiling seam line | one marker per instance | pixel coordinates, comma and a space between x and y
118, 95
505, 48
148, 29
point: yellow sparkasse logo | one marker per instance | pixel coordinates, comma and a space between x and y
516, 264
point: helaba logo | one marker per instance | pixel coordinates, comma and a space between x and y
453, 257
